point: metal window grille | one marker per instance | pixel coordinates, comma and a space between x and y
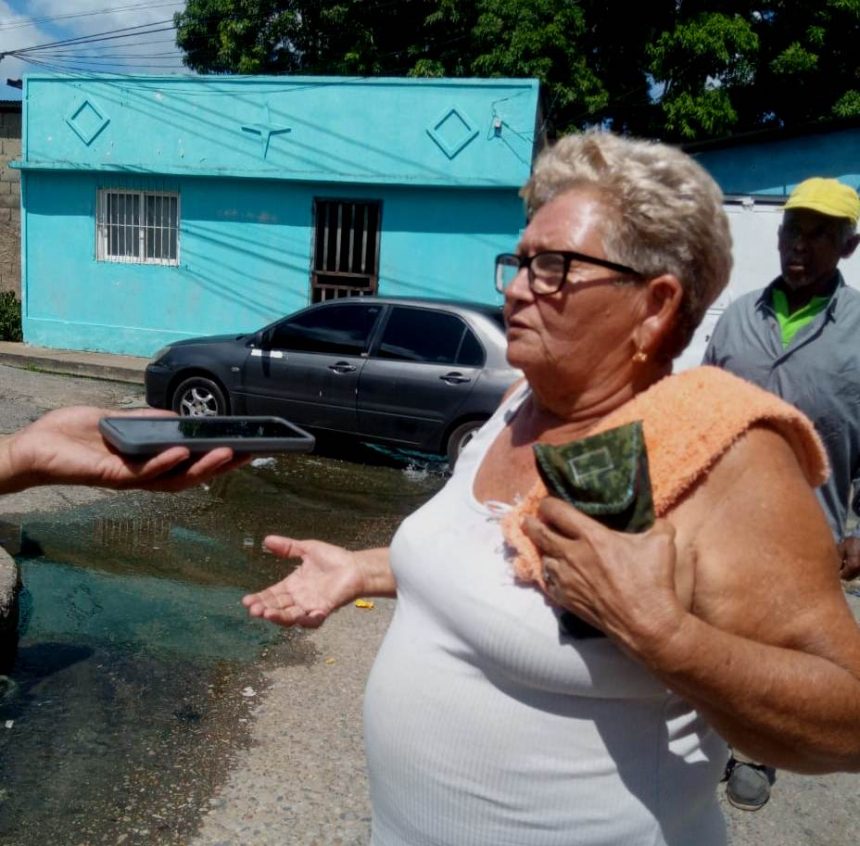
346, 249
140, 227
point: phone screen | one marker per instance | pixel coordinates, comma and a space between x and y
195, 428
141, 435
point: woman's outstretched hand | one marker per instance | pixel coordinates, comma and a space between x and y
328, 577
621, 583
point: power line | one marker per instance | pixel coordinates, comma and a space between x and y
74, 47
73, 69
110, 35
34, 21
121, 61
103, 56
112, 49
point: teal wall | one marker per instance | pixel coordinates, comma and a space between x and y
445, 158
245, 256
776, 166
339, 129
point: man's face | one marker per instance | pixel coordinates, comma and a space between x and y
810, 246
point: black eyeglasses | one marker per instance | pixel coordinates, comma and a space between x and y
547, 271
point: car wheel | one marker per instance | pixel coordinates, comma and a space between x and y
458, 439
199, 397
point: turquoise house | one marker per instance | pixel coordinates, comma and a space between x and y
159, 208
772, 162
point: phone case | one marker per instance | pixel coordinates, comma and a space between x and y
119, 433
604, 476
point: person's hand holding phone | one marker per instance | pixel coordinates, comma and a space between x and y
66, 447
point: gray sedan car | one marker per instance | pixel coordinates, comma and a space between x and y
416, 373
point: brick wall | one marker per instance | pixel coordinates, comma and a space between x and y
10, 199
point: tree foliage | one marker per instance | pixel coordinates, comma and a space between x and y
677, 69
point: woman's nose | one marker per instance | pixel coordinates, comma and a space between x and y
519, 287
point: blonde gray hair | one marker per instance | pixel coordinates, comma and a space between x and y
664, 213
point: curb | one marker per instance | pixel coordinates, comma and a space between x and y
94, 365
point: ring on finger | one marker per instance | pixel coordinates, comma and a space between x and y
547, 578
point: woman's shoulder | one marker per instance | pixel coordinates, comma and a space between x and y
516, 391
690, 420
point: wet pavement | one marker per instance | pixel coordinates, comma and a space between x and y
137, 665
192, 757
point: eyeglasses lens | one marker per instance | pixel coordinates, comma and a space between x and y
547, 272
507, 267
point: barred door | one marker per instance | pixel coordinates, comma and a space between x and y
346, 249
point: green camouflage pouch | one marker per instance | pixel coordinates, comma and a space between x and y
604, 476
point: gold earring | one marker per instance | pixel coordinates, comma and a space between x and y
640, 357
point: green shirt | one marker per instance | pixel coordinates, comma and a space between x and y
790, 323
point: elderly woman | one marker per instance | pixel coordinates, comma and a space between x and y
488, 719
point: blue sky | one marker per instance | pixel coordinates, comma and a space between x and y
29, 23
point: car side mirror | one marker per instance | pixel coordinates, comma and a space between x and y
260, 340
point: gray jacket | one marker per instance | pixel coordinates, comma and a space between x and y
819, 373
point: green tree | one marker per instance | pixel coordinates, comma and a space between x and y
677, 69
699, 63
807, 68
740, 66
545, 39
302, 36
556, 41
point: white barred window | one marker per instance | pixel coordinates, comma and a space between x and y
139, 227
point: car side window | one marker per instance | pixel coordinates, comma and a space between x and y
413, 334
337, 330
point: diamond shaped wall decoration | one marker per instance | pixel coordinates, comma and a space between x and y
87, 120
452, 132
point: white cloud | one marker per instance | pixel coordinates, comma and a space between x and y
26, 23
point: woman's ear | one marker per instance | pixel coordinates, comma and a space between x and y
663, 295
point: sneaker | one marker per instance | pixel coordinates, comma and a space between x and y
748, 785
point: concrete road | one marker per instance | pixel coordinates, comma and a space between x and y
301, 780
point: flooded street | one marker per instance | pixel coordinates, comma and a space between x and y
137, 663
145, 708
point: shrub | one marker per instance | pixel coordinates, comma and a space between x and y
10, 317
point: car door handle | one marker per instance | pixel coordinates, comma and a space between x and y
455, 378
342, 367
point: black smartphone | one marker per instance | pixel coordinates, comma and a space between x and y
140, 436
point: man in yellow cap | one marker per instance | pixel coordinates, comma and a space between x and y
800, 338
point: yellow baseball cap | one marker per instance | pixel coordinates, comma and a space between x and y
825, 196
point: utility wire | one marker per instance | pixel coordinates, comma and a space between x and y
125, 51
66, 56
72, 70
74, 47
126, 32
7, 25
145, 61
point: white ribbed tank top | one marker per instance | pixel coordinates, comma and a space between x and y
484, 724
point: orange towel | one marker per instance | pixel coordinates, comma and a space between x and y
689, 421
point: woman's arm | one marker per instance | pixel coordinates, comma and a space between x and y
328, 578
769, 651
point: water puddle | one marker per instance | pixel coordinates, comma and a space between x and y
136, 662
